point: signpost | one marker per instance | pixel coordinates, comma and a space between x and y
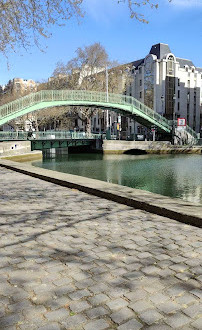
181, 122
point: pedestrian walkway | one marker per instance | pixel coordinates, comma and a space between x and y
70, 260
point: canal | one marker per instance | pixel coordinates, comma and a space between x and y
177, 176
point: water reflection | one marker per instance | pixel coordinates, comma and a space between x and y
176, 176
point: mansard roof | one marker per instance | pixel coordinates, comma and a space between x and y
137, 63
160, 50
184, 62
199, 69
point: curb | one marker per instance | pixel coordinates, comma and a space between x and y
175, 209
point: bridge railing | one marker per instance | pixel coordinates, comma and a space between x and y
47, 135
79, 95
188, 129
82, 95
85, 96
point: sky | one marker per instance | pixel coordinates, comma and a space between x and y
177, 23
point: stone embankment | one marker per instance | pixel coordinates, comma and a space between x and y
70, 260
177, 209
18, 151
158, 147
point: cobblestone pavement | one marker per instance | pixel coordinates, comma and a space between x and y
74, 261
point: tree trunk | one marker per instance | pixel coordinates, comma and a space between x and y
88, 126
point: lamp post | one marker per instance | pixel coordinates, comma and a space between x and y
108, 133
174, 98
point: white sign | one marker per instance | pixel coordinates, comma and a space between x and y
181, 122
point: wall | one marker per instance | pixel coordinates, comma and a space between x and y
14, 148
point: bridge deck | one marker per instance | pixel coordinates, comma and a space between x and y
126, 105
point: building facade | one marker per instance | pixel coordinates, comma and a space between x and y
19, 87
170, 85
14, 89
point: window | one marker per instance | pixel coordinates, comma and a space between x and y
140, 69
188, 83
170, 66
140, 82
140, 95
178, 82
178, 94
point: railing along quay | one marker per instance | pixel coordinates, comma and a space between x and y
48, 135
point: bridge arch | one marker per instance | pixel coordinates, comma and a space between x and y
126, 105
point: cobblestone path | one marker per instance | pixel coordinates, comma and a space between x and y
69, 260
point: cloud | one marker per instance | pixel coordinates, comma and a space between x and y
187, 3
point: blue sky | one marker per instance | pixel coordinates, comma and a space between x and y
178, 24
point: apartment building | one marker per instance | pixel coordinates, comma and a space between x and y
14, 89
170, 85
19, 87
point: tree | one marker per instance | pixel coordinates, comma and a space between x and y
24, 21
82, 72
87, 71
133, 5
54, 118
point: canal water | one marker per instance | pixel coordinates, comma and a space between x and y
178, 176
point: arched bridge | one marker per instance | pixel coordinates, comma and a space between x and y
126, 105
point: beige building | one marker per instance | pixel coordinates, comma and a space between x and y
19, 86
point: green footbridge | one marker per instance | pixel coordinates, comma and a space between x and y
123, 104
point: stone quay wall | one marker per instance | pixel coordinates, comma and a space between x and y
12, 148
158, 147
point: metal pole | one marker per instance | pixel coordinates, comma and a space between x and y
174, 98
107, 95
107, 84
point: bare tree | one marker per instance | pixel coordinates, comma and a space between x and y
135, 5
55, 118
87, 71
25, 21
82, 72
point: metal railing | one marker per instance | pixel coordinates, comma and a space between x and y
48, 135
188, 129
81, 96
84, 98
